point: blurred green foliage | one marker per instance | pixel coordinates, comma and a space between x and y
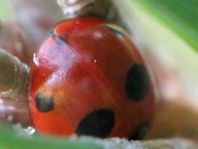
14, 140
179, 15
5, 10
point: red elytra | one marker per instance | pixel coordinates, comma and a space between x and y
90, 79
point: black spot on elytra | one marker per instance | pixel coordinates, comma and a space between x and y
44, 103
98, 123
140, 132
115, 31
136, 85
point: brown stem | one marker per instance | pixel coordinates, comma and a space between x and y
100, 8
14, 78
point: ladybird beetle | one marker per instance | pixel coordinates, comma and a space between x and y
89, 79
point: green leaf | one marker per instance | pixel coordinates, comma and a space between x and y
12, 140
179, 15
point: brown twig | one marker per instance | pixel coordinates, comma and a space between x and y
100, 8
14, 79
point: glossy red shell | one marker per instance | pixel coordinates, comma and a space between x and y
83, 66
